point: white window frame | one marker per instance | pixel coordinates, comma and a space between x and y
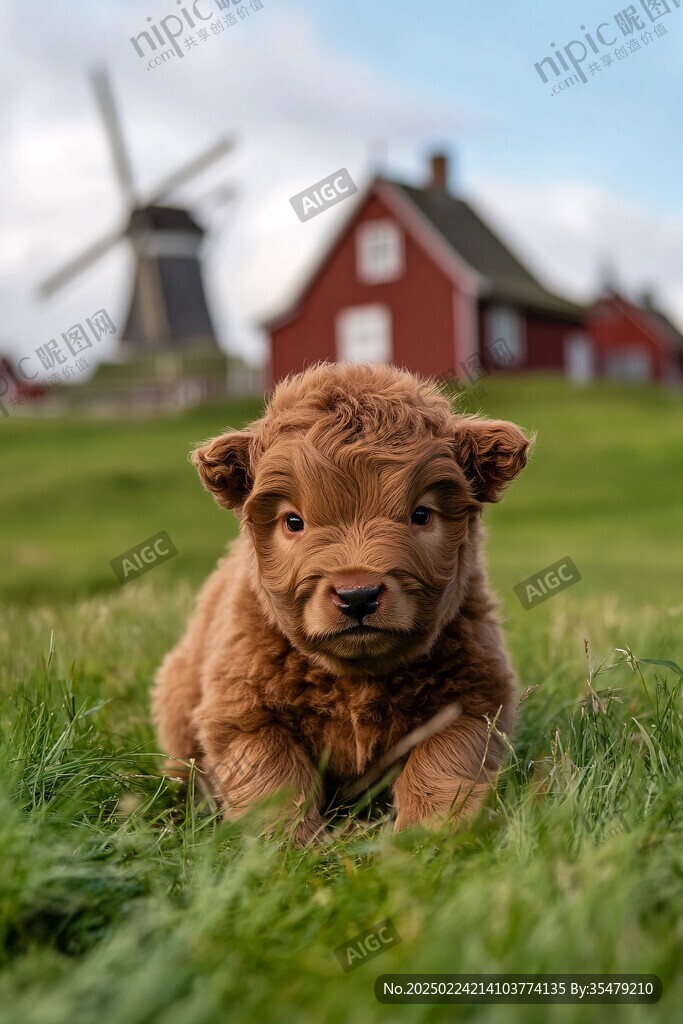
355, 327
379, 251
508, 323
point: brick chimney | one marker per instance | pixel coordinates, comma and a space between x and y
438, 164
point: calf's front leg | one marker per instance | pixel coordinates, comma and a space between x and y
255, 766
448, 775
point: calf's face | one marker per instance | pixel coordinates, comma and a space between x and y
363, 532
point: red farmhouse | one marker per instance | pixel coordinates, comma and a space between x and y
635, 342
415, 277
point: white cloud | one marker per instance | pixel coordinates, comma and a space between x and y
570, 231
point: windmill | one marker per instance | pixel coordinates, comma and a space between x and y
168, 308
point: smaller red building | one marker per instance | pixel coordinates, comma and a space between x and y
16, 388
416, 277
635, 342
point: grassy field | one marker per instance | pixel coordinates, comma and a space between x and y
123, 899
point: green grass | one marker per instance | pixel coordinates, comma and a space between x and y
604, 486
123, 899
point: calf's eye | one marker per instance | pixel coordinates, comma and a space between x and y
421, 516
293, 522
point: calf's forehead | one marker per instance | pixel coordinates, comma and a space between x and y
352, 479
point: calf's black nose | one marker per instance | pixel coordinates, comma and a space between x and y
357, 602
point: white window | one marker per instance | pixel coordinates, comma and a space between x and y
364, 334
578, 358
629, 363
505, 336
379, 251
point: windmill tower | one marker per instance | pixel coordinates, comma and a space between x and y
168, 331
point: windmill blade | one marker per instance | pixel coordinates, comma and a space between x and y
79, 263
192, 168
112, 124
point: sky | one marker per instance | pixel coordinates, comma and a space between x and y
576, 181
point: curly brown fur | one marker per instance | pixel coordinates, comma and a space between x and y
274, 669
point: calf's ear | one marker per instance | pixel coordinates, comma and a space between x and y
491, 453
224, 465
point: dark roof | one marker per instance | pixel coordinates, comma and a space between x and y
665, 324
164, 218
467, 234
